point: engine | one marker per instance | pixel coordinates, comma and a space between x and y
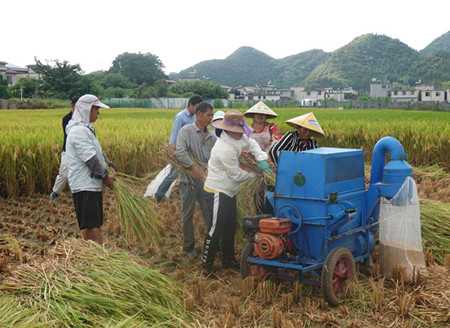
272, 239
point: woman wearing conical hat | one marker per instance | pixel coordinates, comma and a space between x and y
306, 127
264, 133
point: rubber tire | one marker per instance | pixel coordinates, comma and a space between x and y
326, 279
246, 253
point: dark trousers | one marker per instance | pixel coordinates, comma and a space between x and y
223, 227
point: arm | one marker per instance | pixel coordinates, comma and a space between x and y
230, 162
275, 132
284, 143
182, 146
182, 153
97, 169
177, 125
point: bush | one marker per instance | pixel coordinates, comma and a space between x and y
39, 103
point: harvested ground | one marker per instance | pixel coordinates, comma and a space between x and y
31, 226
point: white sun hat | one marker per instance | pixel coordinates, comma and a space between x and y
260, 108
218, 115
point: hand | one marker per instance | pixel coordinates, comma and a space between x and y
197, 174
264, 166
109, 180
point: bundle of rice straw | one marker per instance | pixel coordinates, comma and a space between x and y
82, 284
248, 194
167, 151
138, 216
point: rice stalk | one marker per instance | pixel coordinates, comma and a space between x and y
138, 216
12, 314
435, 221
84, 284
167, 152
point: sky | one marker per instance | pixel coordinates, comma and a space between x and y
183, 33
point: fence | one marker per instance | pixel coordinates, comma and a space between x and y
385, 104
158, 102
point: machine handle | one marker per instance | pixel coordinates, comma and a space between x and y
295, 217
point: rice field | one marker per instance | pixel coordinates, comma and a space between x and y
49, 279
31, 139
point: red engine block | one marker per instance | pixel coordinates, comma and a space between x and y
268, 246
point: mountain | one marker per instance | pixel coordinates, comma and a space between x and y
245, 66
441, 43
366, 57
353, 65
293, 70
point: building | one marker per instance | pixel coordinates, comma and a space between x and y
420, 92
432, 95
14, 73
405, 95
379, 89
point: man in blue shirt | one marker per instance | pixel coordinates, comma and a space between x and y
186, 116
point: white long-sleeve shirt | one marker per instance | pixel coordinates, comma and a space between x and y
224, 172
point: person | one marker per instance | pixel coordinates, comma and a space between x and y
197, 140
186, 116
264, 133
306, 127
86, 165
222, 181
217, 116
61, 178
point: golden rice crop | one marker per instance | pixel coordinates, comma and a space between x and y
30, 148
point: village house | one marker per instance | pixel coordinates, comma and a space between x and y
14, 73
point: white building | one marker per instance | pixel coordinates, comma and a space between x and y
14, 73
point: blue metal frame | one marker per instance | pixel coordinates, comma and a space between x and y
305, 182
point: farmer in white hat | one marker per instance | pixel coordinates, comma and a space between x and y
223, 179
264, 133
87, 167
217, 116
306, 127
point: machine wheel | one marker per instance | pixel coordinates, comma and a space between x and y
337, 273
247, 269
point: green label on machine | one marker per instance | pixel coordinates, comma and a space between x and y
299, 179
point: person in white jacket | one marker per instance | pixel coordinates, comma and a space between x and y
87, 167
223, 179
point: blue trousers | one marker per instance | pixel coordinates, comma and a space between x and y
166, 183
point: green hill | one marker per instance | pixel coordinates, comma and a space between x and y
353, 65
366, 57
441, 43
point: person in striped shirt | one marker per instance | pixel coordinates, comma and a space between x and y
306, 127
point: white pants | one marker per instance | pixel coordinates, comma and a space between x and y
61, 179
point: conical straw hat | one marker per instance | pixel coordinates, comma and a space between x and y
308, 121
260, 108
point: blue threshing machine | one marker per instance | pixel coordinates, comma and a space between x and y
324, 218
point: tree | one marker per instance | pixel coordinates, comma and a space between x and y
446, 85
116, 80
62, 80
139, 68
29, 86
161, 88
205, 89
3, 87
